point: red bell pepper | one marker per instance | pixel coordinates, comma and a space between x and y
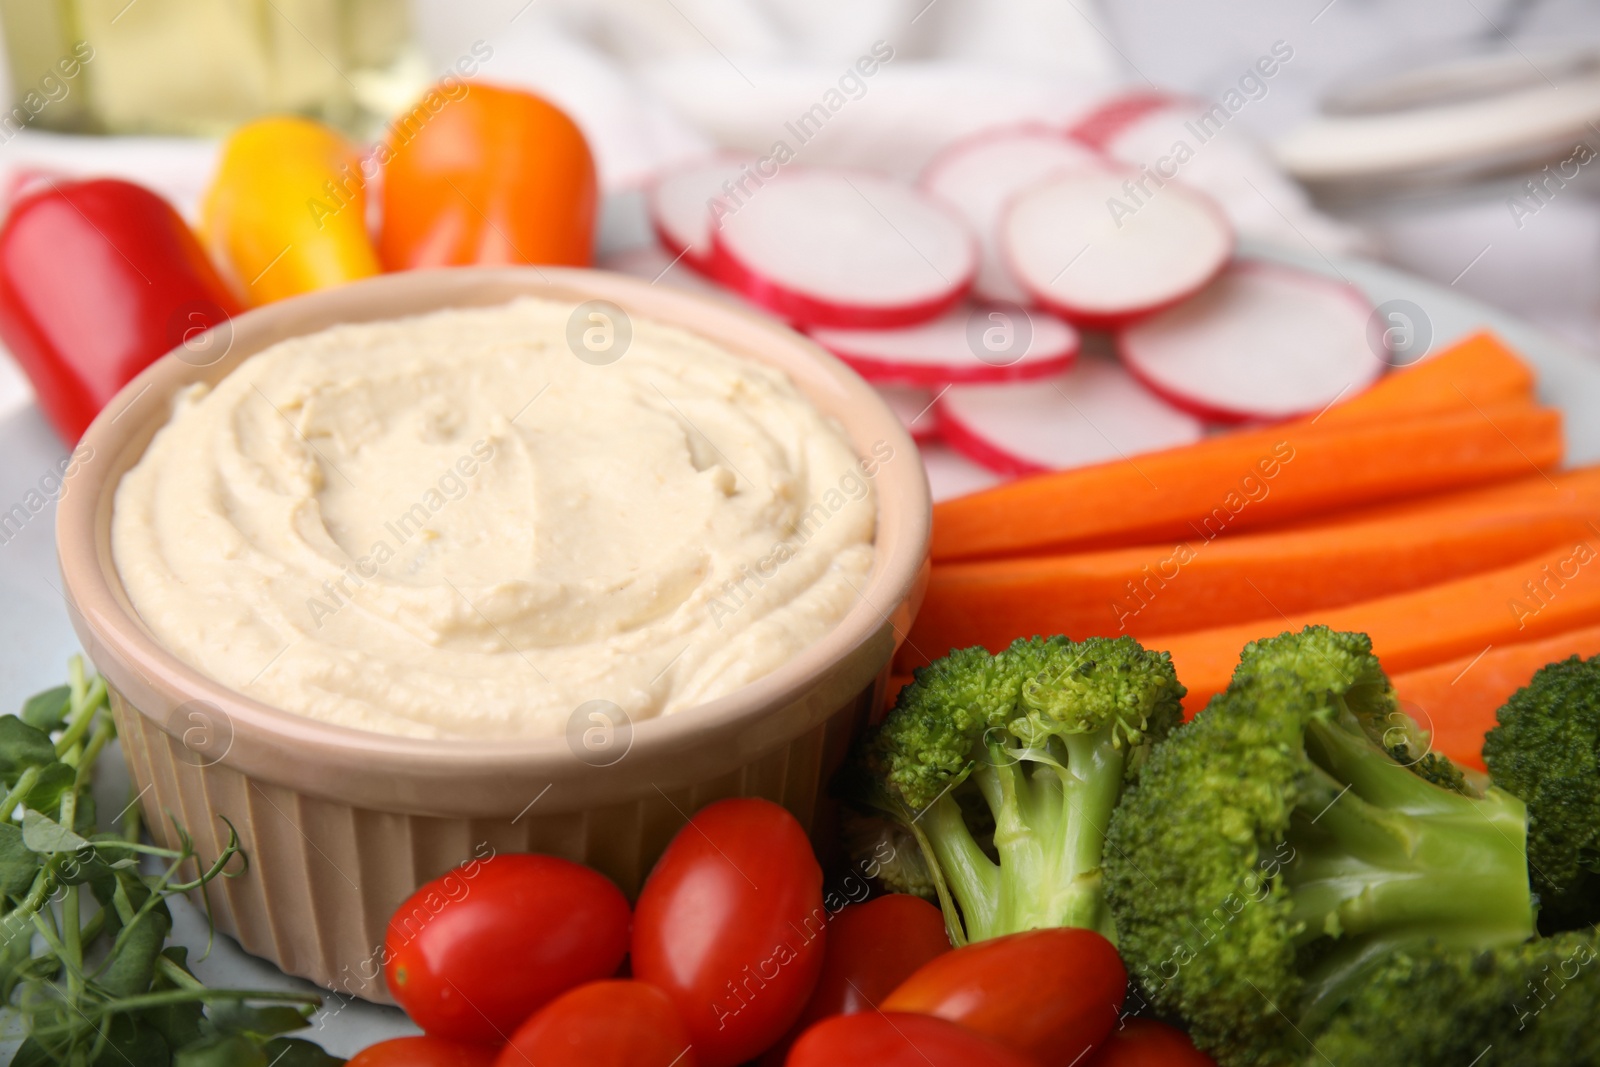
97, 279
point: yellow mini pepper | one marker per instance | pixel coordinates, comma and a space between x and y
287, 210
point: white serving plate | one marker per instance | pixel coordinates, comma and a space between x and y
36, 639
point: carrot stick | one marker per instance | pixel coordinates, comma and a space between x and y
1195, 584
1573, 486
1477, 371
1457, 700
1474, 375
1548, 593
1247, 480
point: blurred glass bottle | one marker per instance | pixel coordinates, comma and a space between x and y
203, 66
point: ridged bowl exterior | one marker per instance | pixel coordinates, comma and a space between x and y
339, 826
325, 876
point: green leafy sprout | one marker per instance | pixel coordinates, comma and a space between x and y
84, 918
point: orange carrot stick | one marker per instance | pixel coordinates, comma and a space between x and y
1195, 584
1247, 480
1554, 591
1572, 484
1477, 371
1457, 701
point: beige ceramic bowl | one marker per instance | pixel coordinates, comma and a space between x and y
341, 825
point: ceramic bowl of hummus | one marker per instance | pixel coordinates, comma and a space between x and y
444, 564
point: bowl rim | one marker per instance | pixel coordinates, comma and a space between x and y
122, 431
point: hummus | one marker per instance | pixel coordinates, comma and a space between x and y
452, 526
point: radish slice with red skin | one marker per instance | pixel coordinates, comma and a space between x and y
914, 408
657, 267
1095, 413
1097, 254
1263, 342
1101, 127
972, 343
837, 248
680, 206
978, 175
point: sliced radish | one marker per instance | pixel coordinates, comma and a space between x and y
971, 343
1094, 248
1264, 342
1094, 413
1100, 127
838, 248
978, 175
654, 265
914, 408
680, 206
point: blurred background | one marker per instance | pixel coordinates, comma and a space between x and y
1448, 137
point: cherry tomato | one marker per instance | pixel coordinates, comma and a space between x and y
898, 1040
472, 954
1052, 994
731, 926
603, 1024
424, 1052
1147, 1043
872, 948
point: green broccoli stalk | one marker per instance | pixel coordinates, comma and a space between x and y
1546, 750
1005, 770
1531, 1005
1290, 839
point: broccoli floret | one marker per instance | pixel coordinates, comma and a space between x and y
1274, 849
1530, 1005
1005, 770
1546, 750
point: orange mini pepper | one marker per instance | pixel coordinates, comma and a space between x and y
476, 173
286, 212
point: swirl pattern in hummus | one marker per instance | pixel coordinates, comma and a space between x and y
450, 526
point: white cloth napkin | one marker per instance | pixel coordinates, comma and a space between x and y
659, 82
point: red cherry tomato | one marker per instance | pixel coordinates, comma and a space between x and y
472, 954
872, 948
603, 1024
1052, 994
423, 1052
731, 926
1147, 1043
896, 1040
